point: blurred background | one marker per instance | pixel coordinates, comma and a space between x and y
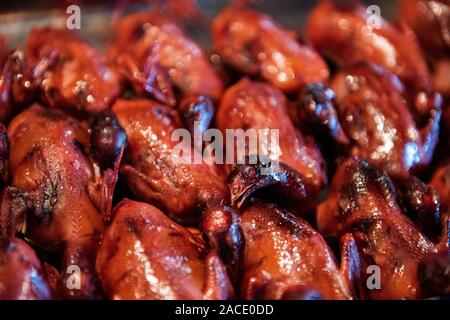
18, 17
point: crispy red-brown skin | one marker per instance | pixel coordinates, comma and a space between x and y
3, 51
47, 160
362, 201
258, 105
283, 251
151, 40
441, 182
150, 168
377, 120
341, 31
145, 255
69, 73
21, 275
254, 44
430, 21
61, 193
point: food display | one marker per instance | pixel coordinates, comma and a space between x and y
266, 163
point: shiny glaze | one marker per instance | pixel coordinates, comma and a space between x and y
21, 275
286, 184
145, 255
151, 168
254, 44
258, 105
316, 110
50, 168
283, 251
421, 203
341, 31
196, 113
54, 194
362, 201
430, 21
376, 119
69, 73
441, 182
155, 53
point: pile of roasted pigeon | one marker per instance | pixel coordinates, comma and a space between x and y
94, 206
